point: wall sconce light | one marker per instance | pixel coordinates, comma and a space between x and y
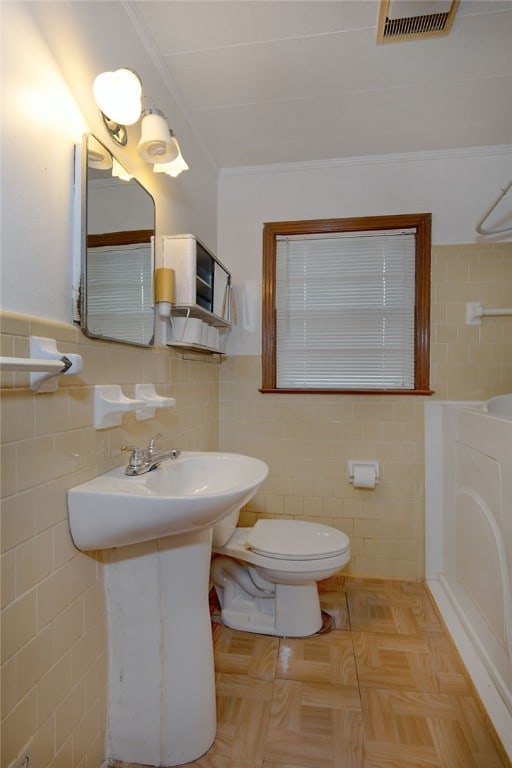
155, 144
119, 97
176, 166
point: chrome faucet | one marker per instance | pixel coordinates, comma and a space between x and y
142, 461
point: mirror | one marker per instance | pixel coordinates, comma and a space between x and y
114, 296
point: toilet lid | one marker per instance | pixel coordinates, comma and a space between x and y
296, 540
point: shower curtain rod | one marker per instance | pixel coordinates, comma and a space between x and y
497, 230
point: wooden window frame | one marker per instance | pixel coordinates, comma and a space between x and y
422, 223
124, 237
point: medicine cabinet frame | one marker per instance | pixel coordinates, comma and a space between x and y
117, 240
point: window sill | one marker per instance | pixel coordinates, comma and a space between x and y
269, 391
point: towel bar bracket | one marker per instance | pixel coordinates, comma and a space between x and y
44, 364
475, 311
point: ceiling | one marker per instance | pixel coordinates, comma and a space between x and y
277, 82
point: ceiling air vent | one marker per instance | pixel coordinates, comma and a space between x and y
410, 19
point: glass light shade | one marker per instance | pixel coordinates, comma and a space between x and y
118, 95
175, 167
120, 171
156, 144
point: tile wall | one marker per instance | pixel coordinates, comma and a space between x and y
307, 439
471, 362
53, 672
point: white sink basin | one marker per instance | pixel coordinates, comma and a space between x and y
180, 496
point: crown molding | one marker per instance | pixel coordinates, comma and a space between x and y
404, 157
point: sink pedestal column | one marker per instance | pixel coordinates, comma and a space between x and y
161, 675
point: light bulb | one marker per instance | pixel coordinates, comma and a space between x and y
118, 95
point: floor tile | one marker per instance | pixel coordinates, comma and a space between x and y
333, 584
333, 599
216, 759
409, 729
273, 764
413, 663
212, 759
321, 659
403, 608
315, 724
335, 604
238, 652
243, 711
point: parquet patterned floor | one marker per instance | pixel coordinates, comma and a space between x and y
384, 689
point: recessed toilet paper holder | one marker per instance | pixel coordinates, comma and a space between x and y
354, 466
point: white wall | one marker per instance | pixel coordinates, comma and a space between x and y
41, 122
51, 52
456, 187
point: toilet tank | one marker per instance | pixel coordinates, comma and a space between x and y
224, 529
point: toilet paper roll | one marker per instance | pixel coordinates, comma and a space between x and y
364, 477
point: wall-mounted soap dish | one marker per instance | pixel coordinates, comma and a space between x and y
152, 401
110, 404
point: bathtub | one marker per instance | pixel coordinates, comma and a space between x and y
468, 541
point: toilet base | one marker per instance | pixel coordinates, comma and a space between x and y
294, 611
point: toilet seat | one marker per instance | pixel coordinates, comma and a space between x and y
296, 540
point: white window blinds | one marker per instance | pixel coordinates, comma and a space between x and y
120, 299
345, 310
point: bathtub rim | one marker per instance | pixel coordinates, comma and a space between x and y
497, 402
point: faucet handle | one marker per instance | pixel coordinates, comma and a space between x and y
137, 456
150, 450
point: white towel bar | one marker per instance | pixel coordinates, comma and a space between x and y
475, 311
45, 365
31, 364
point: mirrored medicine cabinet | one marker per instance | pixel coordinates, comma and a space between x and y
113, 282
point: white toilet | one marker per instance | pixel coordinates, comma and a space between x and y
266, 576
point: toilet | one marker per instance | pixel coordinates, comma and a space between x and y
266, 576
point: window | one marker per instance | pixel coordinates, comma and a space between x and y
346, 305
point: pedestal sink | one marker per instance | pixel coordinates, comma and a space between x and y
156, 530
